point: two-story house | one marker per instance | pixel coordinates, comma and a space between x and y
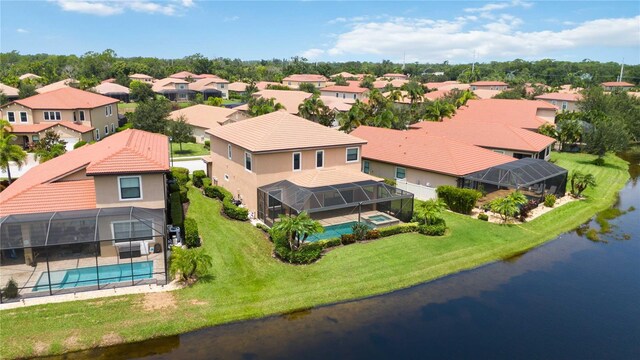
97, 213
281, 163
352, 92
564, 101
9, 92
211, 86
173, 89
142, 78
74, 114
489, 85
294, 81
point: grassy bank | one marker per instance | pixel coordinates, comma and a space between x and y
247, 282
188, 149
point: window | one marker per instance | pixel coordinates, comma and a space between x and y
23, 116
11, 116
297, 161
130, 188
106, 130
97, 134
289, 82
52, 115
182, 96
401, 172
113, 127
565, 105
352, 155
522, 156
337, 95
107, 110
134, 229
221, 86
344, 96
229, 154
81, 115
319, 84
354, 96
182, 86
366, 167
553, 102
320, 158
226, 177
247, 161
35, 138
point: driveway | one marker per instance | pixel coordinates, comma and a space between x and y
15, 172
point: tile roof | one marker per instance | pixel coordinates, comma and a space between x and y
291, 99
419, 150
167, 84
76, 127
305, 77
617, 84
128, 152
518, 113
238, 86
388, 75
207, 83
345, 89
185, 74
559, 96
338, 104
57, 85
31, 128
344, 74
486, 93
262, 85
329, 176
203, 116
66, 98
140, 76
281, 131
29, 76
489, 83
111, 88
9, 91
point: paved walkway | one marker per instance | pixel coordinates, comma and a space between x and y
191, 163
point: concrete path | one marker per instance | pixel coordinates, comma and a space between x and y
191, 163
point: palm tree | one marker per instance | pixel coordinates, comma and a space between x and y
465, 96
352, 118
580, 181
261, 106
9, 151
297, 228
438, 110
431, 210
394, 95
189, 263
414, 90
315, 110
508, 206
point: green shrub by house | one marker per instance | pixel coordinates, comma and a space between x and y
347, 239
263, 227
79, 144
207, 144
11, 290
306, 254
180, 175
327, 243
359, 231
432, 230
483, 217
233, 211
197, 178
549, 200
217, 192
206, 182
458, 200
191, 236
177, 215
398, 229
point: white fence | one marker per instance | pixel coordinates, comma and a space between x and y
420, 192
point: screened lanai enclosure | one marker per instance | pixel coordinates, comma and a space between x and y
372, 201
535, 178
72, 251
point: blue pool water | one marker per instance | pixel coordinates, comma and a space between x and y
379, 218
333, 231
108, 274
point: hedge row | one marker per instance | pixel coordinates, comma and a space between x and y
177, 215
398, 229
459, 200
228, 207
198, 177
191, 233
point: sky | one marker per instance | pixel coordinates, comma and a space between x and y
424, 31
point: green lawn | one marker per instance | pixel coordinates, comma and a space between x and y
188, 149
246, 282
126, 107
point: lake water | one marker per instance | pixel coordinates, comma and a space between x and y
569, 299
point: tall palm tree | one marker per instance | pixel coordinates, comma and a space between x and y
465, 96
297, 228
353, 118
438, 110
394, 95
414, 90
315, 110
9, 151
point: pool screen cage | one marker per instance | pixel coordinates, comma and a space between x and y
285, 197
534, 177
71, 251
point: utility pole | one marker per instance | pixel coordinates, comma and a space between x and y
473, 65
621, 70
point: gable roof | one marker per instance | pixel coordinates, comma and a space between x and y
111, 88
420, 150
351, 88
167, 84
291, 99
560, 96
9, 91
140, 76
185, 74
56, 85
617, 84
203, 116
517, 113
338, 104
262, 85
489, 83
37, 128
281, 131
305, 77
207, 83
128, 152
66, 98
395, 75
238, 86
29, 76
344, 74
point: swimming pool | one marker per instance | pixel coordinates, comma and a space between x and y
333, 231
88, 276
379, 218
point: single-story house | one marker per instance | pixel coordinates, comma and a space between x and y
66, 83
352, 91
617, 85
526, 114
142, 78
113, 90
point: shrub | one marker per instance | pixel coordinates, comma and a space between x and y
217, 192
183, 194
398, 229
207, 144
206, 182
124, 127
10, 291
306, 254
459, 200
177, 215
598, 161
197, 178
263, 227
359, 231
549, 200
327, 243
191, 234
189, 264
347, 239
233, 211
525, 209
372, 234
174, 187
79, 144
432, 230
180, 175
483, 217
391, 182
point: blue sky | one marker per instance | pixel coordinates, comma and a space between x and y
425, 31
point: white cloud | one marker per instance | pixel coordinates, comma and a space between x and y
439, 40
231, 18
500, 6
312, 53
113, 7
22, 31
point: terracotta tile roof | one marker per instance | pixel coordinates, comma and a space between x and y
560, 96
31, 128
345, 89
66, 98
209, 76
437, 85
128, 152
238, 86
486, 93
518, 113
167, 84
57, 85
109, 80
389, 75
338, 104
29, 76
111, 88
344, 74
488, 135
419, 150
281, 131
76, 127
207, 83
329, 176
617, 84
9, 91
437, 94
185, 74
262, 85
203, 116
489, 83
291, 99
140, 76
305, 77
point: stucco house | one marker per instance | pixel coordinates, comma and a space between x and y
211, 87
113, 90
97, 210
489, 85
290, 99
281, 163
29, 76
294, 81
353, 91
204, 117
173, 89
10, 93
75, 114
58, 85
617, 85
564, 101
142, 78
526, 114
395, 76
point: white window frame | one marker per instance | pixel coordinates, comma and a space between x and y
319, 152
293, 161
565, 105
113, 127
126, 241
347, 155
52, 115
139, 184
26, 116
13, 115
106, 130
81, 115
97, 134
229, 152
247, 155
396, 172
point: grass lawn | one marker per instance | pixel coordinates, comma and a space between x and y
231, 101
188, 149
126, 107
246, 282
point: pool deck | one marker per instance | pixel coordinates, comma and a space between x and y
353, 217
